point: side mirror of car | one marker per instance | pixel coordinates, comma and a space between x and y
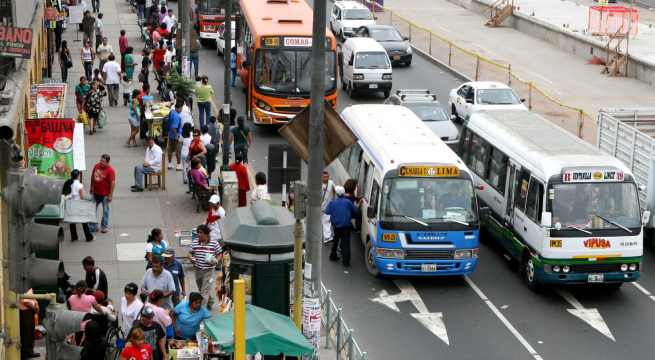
645, 218
469, 100
522, 100
370, 212
546, 219
406, 38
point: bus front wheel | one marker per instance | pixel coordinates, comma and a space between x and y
370, 260
529, 272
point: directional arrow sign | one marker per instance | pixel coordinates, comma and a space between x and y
432, 321
591, 316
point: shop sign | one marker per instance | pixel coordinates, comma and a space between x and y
15, 42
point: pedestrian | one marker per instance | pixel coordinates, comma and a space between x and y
112, 76
94, 104
143, 125
341, 211
153, 334
99, 28
122, 47
204, 93
133, 117
128, 59
131, 305
103, 183
170, 21
215, 217
103, 51
141, 10
158, 278
194, 50
197, 149
198, 176
74, 190
185, 139
241, 138
151, 163
162, 13
155, 245
88, 25
81, 90
169, 55
242, 178
136, 347
188, 315
162, 316
175, 268
233, 66
58, 31
204, 255
80, 301
65, 61
97, 77
28, 308
327, 195
95, 278
145, 66
174, 130
96, 6
212, 130
87, 56
126, 89
261, 189
94, 345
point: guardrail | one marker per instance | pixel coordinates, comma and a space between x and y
337, 332
477, 67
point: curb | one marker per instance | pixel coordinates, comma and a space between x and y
441, 64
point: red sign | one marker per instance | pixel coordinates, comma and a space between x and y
15, 42
597, 243
50, 146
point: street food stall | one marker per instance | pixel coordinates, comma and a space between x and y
155, 114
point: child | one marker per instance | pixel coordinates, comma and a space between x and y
126, 84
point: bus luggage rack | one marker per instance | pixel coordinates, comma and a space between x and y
441, 254
590, 268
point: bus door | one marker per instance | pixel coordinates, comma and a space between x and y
510, 192
363, 191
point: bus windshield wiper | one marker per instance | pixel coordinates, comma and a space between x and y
614, 223
457, 221
569, 226
412, 219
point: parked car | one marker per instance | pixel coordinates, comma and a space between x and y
220, 41
364, 66
348, 16
482, 95
396, 45
426, 106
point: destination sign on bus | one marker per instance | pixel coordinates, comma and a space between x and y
573, 176
298, 41
290, 41
428, 171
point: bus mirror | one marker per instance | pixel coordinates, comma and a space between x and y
642, 188
546, 219
370, 212
645, 217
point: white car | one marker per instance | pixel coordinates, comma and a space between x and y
348, 16
482, 95
220, 41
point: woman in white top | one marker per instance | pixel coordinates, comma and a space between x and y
185, 141
261, 189
74, 190
130, 307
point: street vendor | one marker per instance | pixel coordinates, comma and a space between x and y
188, 315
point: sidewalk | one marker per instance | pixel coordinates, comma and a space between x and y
564, 76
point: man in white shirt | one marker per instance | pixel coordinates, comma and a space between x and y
170, 21
99, 26
111, 72
151, 164
103, 51
327, 194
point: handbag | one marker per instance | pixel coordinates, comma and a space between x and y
69, 62
83, 118
102, 119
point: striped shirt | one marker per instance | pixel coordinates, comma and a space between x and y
201, 252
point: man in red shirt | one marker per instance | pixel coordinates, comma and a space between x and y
242, 178
103, 181
122, 45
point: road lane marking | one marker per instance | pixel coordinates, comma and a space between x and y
504, 320
432, 321
643, 290
589, 315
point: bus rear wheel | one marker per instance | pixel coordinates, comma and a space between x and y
370, 260
529, 272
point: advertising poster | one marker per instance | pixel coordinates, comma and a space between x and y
50, 146
75, 14
47, 101
15, 42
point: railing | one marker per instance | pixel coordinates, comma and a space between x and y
477, 67
337, 332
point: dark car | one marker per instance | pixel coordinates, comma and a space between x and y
396, 45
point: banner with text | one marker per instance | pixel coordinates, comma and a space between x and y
50, 146
15, 42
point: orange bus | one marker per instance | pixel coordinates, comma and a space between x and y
274, 42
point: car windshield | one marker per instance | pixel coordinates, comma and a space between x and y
428, 111
221, 30
372, 60
497, 97
385, 34
357, 14
289, 71
595, 205
430, 200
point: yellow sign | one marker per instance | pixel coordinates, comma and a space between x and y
429, 171
556, 243
389, 237
272, 41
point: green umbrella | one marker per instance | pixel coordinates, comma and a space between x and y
267, 332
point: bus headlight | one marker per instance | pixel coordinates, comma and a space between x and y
556, 268
466, 254
386, 77
566, 269
624, 267
390, 253
262, 105
358, 76
633, 267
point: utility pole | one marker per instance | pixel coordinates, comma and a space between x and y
314, 239
183, 9
226, 83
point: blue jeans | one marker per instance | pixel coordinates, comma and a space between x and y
88, 70
140, 11
205, 111
234, 77
100, 199
139, 172
195, 61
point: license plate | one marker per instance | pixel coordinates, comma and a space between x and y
428, 267
396, 57
595, 278
372, 86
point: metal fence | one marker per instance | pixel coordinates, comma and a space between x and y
337, 332
475, 66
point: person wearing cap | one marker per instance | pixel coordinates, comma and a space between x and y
341, 211
175, 268
327, 195
153, 333
242, 178
158, 278
188, 315
203, 255
131, 305
215, 217
162, 316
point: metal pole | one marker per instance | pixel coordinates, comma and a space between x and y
297, 273
226, 83
183, 9
239, 319
627, 39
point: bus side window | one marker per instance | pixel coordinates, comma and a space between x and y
522, 190
464, 144
344, 156
480, 156
355, 159
535, 198
497, 170
373, 198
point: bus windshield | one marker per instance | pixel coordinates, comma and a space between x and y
286, 71
208, 6
428, 200
596, 206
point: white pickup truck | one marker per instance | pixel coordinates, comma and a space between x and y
629, 135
